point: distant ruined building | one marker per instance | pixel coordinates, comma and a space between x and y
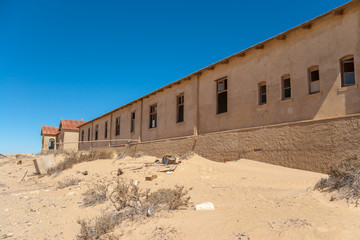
292, 100
64, 137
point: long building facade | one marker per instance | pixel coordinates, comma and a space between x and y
310, 72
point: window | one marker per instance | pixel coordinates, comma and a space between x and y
347, 71
314, 80
82, 135
262, 93
286, 87
96, 132
117, 126
180, 108
132, 124
88, 134
221, 91
106, 129
153, 116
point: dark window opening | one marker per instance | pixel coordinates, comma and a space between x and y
180, 108
221, 91
96, 132
106, 129
314, 81
132, 125
117, 126
82, 135
88, 134
51, 144
153, 116
262, 94
286, 85
347, 72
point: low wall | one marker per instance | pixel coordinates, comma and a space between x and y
309, 145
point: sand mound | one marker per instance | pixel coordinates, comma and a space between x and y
251, 199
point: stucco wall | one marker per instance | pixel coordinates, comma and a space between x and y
45, 142
71, 140
324, 44
309, 145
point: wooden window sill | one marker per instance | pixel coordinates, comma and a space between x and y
347, 88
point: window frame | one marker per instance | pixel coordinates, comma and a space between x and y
152, 113
283, 89
132, 122
82, 135
89, 135
97, 132
310, 71
180, 103
223, 80
106, 129
342, 61
260, 85
117, 126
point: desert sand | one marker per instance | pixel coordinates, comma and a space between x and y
252, 200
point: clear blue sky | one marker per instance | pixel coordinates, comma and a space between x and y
75, 59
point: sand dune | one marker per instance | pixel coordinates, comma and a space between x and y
252, 199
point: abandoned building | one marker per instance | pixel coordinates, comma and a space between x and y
292, 100
64, 137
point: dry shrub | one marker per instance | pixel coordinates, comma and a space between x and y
128, 198
68, 182
95, 195
75, 158
171, 199
94, 229
343, 178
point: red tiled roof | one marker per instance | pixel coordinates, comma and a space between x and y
70, 124
47, 130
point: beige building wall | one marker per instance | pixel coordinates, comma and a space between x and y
167, 125
322, 43
45, 142
71, 140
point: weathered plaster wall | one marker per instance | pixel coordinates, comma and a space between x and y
71, 140
324, 45
45, 142
308, 145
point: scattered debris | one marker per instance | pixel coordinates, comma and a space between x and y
24, 176
19, 162
186, 156
119, 172
68, 182
205, 206
150, 178
85, 173
242, 236
168, 159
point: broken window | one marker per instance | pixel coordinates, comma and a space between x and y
132, 124
314, 80
153, 116
51, 143
221, 91
106, 129
262, 93
286, 87
88, 134
82, 135
180, 108
96, 132
347, 71
117, 126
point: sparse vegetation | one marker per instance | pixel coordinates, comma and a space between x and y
130, 203
343, 178
91, 230
75, 158
95, 195
68, 182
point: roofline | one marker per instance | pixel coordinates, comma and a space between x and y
306, 25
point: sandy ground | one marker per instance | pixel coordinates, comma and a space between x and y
252, 199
